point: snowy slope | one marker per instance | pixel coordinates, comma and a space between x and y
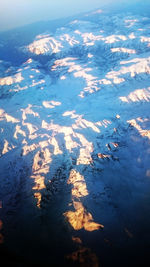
76, 131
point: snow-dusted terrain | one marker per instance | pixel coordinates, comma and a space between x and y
75, 143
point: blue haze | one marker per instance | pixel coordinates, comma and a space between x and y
15, 13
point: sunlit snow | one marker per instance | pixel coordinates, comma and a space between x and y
75, 133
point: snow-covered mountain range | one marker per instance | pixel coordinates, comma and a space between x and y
75, 139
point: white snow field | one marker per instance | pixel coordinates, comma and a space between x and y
75, 145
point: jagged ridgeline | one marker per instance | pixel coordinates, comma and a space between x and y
75, 139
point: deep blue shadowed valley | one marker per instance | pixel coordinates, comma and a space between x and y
75, 140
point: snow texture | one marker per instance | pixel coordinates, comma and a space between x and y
75, 133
